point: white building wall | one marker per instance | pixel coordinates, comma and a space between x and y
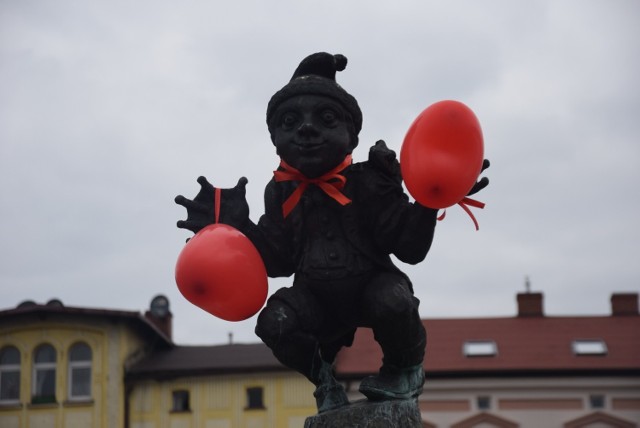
528, 402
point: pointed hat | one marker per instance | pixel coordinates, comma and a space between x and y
316, 75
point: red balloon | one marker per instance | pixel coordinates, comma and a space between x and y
442, 153
220, 271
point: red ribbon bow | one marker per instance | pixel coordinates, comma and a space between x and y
331, 183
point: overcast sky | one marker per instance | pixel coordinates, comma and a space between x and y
110, 109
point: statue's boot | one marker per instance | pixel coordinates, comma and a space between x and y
329, 393
394, 383
330, 397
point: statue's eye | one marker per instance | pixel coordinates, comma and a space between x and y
329, 116
288, 120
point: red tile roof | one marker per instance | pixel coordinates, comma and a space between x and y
525, 345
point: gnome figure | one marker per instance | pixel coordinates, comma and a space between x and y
332, 224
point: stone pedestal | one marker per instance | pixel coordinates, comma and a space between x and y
369, 414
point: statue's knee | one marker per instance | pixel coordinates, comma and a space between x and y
275, 322
394, 301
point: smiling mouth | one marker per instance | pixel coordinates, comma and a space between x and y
309, 146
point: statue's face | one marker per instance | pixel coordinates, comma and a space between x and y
311, 134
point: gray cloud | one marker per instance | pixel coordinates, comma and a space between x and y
108, 111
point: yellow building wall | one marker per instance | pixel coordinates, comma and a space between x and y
111, 345
221, 402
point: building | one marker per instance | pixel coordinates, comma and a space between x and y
66, 367
227, 386
530, 370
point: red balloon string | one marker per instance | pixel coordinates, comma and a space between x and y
218, 194
465, 203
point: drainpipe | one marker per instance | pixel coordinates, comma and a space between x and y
128, 389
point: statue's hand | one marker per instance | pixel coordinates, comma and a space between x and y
483, 182
234, 209
385, 160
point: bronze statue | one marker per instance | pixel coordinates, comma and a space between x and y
332, 224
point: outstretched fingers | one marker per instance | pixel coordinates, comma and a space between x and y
190, 205
242, 184
238, 191
483, 182
193, 226
202, 180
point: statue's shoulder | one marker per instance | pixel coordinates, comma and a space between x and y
275, 192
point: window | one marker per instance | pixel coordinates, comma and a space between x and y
596, 401
589, 347
44, 375
255, 398
180, 399
79, 374
9, 375
483, 402
479, 348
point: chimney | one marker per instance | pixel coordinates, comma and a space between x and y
160, 315
163, 323
624, 304
530, 305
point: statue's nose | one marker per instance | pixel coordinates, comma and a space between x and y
307, 129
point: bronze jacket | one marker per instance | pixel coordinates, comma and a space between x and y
379, 221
